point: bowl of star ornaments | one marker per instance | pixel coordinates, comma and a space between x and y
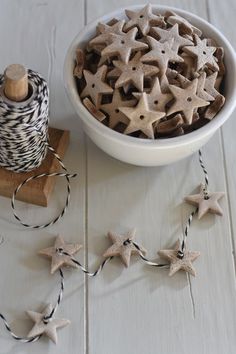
151, 84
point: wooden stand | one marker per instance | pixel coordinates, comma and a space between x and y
37, 191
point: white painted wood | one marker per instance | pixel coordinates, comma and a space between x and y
37, 34
139, 309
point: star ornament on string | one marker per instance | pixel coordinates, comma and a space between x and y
46, 326
123, 246
206, 202
179, 260
59, 260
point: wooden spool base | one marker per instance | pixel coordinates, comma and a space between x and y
37, 191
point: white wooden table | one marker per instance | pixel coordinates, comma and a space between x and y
135, 310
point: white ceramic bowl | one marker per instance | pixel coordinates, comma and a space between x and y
147, 152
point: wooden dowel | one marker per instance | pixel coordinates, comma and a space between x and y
16, 82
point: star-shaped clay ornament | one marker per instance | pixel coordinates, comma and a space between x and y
209, 85
206, 203
179, 263
141, 117
186, 100
49, 328
143, 19
203, 53
106, 32
114, 113
123, 246
123, 45
95, 85
157, 100
133, 72
201, 90
188, 28
60, 260
162, 53
168, 34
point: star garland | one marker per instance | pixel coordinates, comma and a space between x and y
62, 254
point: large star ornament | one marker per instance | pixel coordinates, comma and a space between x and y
179, 263
206, 204
59, 260
49, 328
122, 246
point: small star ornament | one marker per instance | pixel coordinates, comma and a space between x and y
47, 327
178, 262
106, 31
123, 246
206, 203
60, 260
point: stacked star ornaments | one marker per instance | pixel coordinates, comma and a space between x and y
151, 75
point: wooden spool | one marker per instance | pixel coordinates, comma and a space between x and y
16, 89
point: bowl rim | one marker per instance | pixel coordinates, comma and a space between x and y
105, 131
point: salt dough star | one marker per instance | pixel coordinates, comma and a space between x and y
161, 53
60, 260
133, 72
177, 263
186, 100
115, 115
156, 99
123, 45
106, 32
173, 32
203, 53
210, 83
141, 117
143, 19
173, 18
204, 205
48, 328
123, 246
201, 90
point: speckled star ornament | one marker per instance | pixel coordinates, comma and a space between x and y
161, 53
143, 19
206, 204
60, 260
179, 263
133, 72
123, 45
201, 90
167, 34
157, 100
186, 100
48, 328
209, 85
173, 18
203, 53
106, 32
95, 85
123, 246
114, 113
142, 117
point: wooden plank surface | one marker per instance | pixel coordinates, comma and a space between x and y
135, 310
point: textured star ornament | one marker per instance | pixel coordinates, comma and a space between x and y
157, 100
123, 45
106, 32
114, 113
133, 72
143, 19
184, 263
173, 32
186, 100
49, 328
203, 53
201, 91
162, 53
141, 117
60, 260
95, 85
206, 205
209, 85
123, 246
